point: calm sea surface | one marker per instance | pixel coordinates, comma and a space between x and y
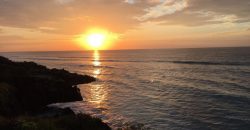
172, 89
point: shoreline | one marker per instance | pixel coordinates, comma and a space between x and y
26, 88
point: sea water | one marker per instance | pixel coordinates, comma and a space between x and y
165, 89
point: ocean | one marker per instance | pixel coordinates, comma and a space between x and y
165, 89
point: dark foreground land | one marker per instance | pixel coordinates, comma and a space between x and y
26, 89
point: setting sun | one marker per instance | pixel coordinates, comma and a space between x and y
96, 40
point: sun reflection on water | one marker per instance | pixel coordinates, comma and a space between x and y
96, 72
98, 92
96, 58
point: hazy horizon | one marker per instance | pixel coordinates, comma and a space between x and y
128, 49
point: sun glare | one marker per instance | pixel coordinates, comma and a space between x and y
97, 39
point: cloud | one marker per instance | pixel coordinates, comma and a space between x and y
5, 40
12, 37
144, 1
164, 8
69, 16
130, 1
204, 12
64, 1
72, 17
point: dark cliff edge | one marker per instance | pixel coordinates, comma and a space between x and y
26, 89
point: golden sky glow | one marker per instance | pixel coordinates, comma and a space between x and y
32, 25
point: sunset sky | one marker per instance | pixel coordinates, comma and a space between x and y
46, 25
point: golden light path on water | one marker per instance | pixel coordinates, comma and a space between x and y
98, 92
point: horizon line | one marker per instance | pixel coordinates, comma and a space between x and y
247, 46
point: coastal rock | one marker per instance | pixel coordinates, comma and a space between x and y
9, 104
37, 86
26, 89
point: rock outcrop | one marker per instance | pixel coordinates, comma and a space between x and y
26, 89
35, 86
